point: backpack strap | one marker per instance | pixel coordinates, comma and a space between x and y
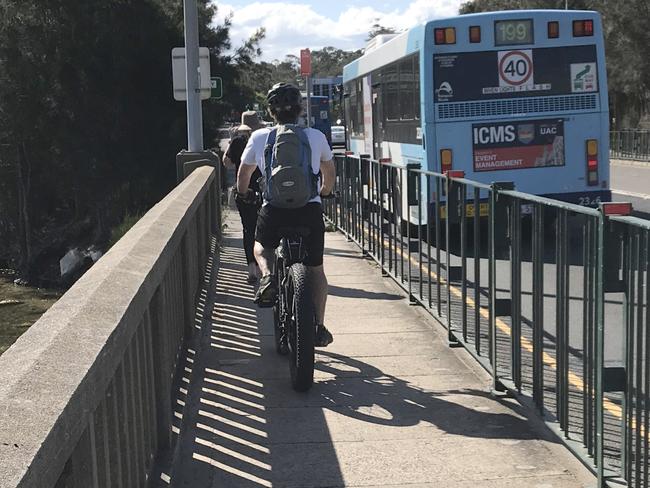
268, 157
268, 151
305, 153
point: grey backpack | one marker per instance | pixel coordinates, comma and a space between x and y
289, 179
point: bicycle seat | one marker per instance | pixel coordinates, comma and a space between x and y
294, 231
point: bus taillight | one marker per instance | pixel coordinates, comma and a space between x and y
592, 162
445, 160
553, 29
445, 35
583, 28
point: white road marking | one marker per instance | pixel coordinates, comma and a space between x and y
633, 194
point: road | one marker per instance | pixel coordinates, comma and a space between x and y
630, 182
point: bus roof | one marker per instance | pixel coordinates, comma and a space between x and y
516, 13
409, 41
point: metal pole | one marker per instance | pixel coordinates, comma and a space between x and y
308, 82
193, 77
600, 351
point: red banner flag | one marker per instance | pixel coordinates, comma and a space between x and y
305, 62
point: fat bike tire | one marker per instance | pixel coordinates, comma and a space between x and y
302, 329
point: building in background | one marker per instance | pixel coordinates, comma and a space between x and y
325, 87
330, 87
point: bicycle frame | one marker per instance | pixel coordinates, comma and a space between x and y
289, 252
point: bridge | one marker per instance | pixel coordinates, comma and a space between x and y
468, 351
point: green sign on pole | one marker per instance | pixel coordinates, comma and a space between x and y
216, 88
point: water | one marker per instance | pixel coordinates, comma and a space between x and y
16, 319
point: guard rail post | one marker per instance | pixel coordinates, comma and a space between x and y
412, 198
453, 215
382, 187
363, 178
498, 219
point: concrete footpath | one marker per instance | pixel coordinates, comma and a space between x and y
392, 405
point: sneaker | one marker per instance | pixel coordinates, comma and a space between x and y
323, 337
267, 293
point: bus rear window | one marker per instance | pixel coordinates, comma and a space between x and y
513, 73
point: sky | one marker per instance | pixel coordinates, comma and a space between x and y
293, 25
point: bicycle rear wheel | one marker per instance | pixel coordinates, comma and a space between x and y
302, 329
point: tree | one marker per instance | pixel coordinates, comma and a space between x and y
628, 66
330, 61
378, 29
88, 126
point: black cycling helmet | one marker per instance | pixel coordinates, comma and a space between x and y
283, 97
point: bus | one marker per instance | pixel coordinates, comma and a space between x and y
515, 96
320, 115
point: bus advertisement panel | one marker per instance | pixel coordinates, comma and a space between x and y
518, 144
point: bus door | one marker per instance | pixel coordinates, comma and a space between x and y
377, 125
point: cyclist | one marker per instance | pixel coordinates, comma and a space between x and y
285, 105
247, 211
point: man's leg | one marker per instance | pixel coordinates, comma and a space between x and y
248, 215
266, 240
264, 258
312, 217
318, 283
267, 291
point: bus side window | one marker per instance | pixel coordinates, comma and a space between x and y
390, 90
406, 90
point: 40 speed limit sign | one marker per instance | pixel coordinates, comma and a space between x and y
516, 68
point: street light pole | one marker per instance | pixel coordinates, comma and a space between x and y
193, 77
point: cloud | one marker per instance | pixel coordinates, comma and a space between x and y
291, 27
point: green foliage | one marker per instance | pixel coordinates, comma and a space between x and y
88, 125
378, 29
330, 61
259, 77
117, 232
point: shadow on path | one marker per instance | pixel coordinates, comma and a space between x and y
347, 292
401, 404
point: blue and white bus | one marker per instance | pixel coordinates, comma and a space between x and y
515, 96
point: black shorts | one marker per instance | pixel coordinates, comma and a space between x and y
271, 219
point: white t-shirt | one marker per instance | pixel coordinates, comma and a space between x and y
320, 150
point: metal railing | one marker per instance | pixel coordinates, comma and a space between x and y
630, 144
535, 289
627, 271
87, 392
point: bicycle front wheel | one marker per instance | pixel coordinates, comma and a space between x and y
302, 329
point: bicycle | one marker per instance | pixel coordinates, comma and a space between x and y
294, 319
294, 316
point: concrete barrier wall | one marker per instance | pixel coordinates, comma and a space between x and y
85, 393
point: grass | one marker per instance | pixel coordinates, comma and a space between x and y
17, 318
118, 232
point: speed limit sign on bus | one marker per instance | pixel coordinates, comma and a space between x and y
516, 68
